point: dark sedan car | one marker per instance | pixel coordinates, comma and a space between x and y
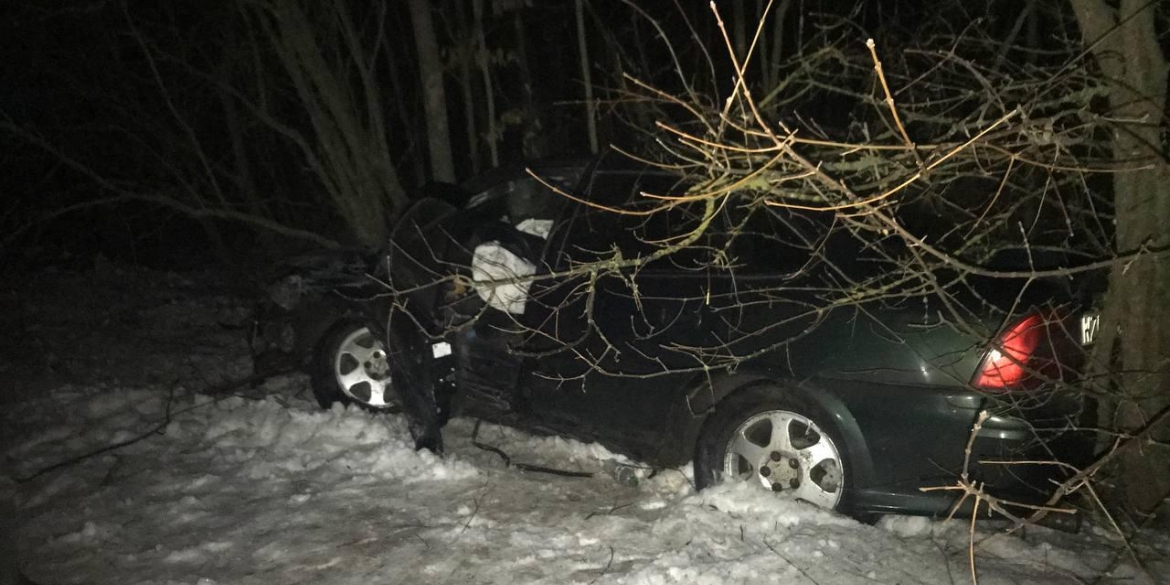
542, 297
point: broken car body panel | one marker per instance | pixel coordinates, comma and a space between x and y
641, 361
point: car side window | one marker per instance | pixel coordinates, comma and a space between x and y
612, 219
519, 199
772, 240
668, 227
751, 240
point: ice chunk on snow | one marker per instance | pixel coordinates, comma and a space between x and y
907, 526
189, 555
746, 500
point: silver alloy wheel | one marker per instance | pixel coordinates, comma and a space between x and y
788, 453
361, 370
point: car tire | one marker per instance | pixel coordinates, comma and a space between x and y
349, 367
743, 441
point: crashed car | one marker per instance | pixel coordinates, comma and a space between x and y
309, 318
536, 296
316, 308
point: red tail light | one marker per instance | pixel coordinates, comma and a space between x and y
1006, 363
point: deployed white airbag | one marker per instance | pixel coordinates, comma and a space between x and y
498, 276
501, 277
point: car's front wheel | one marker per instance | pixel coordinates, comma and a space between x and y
350, 367
775, 440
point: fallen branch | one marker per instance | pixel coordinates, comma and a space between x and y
975, 489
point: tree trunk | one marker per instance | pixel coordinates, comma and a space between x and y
586, 77
533, 140
1126, 47
772, 62
407, 115
434, 94
469, 42
489, 90
348, 150
739, 29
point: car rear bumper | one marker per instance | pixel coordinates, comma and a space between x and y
1020, 453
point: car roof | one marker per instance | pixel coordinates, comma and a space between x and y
550, 166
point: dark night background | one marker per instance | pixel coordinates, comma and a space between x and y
109, 101
160, 159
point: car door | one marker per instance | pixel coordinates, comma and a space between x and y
612, 348
740, 292
508, 240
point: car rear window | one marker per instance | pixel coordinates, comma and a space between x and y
612, 217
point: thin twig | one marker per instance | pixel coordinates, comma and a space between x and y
877, 66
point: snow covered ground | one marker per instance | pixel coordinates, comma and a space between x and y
261, 486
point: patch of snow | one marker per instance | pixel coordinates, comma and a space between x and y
266, 488
909, 526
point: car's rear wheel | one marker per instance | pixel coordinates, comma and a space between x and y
778, 441
349, 366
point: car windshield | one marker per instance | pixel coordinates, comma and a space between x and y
514, 193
